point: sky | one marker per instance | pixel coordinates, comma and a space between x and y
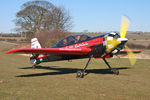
89, 15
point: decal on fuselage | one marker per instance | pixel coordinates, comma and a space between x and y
78, 45
81, 45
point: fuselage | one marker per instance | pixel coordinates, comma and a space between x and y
95, 43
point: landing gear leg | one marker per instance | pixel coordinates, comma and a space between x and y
115, 71
34, 66
36, 63
80, 74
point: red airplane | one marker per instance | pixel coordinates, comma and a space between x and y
82, 46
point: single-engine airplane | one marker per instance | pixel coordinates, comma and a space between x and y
82, 46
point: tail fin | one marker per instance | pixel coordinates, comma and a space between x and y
35, 58
35, 43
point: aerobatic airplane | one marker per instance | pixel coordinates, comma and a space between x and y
82, 46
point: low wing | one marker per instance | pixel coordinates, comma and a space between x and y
58, 51
134, 51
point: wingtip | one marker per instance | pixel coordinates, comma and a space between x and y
12, 51
8, 52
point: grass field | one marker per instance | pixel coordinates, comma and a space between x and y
57, 80
147, 52
5, 45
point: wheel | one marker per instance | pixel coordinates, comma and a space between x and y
80, 74
115, 71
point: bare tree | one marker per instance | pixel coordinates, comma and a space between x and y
41, 15
60, 19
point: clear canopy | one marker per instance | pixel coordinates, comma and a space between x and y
72, 39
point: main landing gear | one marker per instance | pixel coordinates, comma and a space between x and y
115, 71
34, 66
80, 74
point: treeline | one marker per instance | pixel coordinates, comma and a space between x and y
139, 32
14, 40
138, 46
13, 37
10, 35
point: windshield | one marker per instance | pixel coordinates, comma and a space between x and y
72, 39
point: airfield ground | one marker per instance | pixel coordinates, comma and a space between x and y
57, 80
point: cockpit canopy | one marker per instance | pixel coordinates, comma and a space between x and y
72, 39
114, 35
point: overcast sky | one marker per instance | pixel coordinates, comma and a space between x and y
91, 15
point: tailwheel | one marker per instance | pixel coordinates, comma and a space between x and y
115, 71
80, 74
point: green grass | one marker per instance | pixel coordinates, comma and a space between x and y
146, 52
57, 80
5, 45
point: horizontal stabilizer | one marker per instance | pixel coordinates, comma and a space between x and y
134, 51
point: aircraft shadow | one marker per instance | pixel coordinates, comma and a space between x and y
59, 71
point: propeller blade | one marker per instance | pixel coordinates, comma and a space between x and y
131, 55
124, 26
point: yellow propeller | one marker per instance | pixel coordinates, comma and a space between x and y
112, 43
124, 26
131, 55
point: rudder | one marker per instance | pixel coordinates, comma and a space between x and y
35, 58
